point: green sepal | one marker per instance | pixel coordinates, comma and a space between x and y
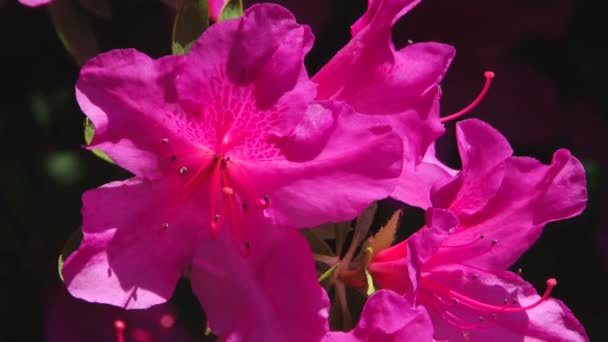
191, 20
89, 133
232, 9
74, 29
70, 245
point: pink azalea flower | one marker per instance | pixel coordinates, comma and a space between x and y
396, 86
68, 319
387, 317
457, 269
35, 3
229, 151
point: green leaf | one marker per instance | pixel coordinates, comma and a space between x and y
191, 19
99, 8
71, 244
74, 30
89, 133
232, 9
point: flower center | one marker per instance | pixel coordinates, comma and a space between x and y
231, 192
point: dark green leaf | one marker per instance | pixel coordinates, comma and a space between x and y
89, 132
191, 19
74, 30
99, 8
232, 9
71, 244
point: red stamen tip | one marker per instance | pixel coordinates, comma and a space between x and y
489, 75
167, 321
120, 324
551, 282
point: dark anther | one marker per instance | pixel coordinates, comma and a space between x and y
216, 218
165, 140
173, 157
183, 170
494, 242
244, 205
165, 226
482, 236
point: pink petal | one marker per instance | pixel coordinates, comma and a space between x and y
215, 8
131, 100
531, 194
402, 86
127, 258
253, 81
375, 79
549, 321
270, 295
374, 9
35, 3
68, 319
388, 317
503, 202
337, 162
483, 151
417, 180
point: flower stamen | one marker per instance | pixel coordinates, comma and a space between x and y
489, 75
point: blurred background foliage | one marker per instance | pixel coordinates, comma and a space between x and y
548, 94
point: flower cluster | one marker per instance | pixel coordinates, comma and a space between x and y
234, 148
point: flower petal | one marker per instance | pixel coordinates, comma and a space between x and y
483, 151
215, 8
374, 8
530, 195
388, 316
337, 163
131, 100
35, 3
127, 257
248, 71
417, 180
375, 79
549, 321
272, 294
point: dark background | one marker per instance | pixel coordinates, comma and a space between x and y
548, 93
